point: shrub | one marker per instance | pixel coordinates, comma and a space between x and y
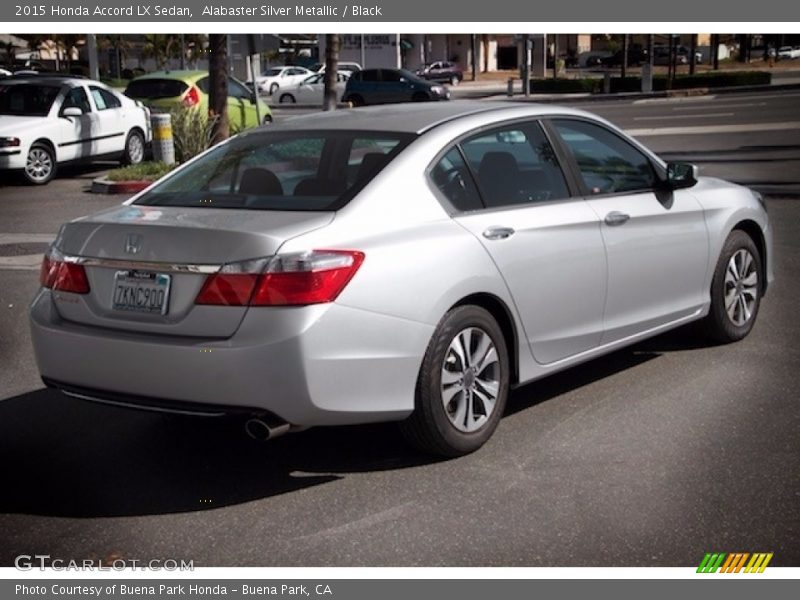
191, 133
145, 171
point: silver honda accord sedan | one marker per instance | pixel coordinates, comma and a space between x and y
404, 263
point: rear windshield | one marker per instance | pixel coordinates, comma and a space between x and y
27, 99
152, 89
306, 171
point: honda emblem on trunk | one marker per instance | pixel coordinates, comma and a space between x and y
133, 243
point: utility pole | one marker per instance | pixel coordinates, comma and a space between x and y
647, 67
183, 52
692, 52
526, 65
624, 69
555, 56
474, 60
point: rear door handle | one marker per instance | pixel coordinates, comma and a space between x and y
498, 233
615, 218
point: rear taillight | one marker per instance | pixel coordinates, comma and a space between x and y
192, 97
62, 276
291, 280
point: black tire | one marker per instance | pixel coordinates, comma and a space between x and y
356, 100
134, 148
267, 120
719, 324
40, 165
287, 99
429, 428
420, 97
273, 88
454, 80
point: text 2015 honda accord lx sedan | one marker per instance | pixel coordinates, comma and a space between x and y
403, 263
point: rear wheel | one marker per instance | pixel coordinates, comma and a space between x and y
40, 164
287, 99
356, 100
735, 289
462, 386
134, 148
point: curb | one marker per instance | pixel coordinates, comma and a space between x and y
103, 185
701, 91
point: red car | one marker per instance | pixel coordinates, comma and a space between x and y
442, 71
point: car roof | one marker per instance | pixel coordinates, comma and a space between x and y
180, 75
409, 118
59, 80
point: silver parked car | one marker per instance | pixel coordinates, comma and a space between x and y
407, 263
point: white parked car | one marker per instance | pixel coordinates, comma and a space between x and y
5, 73
312, 89
789, 52
49, 120
276, 78
347, 67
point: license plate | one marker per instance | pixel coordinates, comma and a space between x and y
141, 291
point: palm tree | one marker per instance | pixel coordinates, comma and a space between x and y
218, 87
119, 45
331, 70
160, 47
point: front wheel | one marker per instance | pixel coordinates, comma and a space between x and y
735, 289
462, 386
40, 164
273, 88
454, 80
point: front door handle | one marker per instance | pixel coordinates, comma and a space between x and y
498, 233
615, 218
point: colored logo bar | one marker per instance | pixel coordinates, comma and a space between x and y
734, 562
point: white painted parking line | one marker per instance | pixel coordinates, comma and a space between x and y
672, 100
26, 238
725, 106
706, 129
24, 262
663, 118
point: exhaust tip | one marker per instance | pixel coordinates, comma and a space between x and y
263, 428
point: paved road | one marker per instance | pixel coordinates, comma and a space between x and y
651, 456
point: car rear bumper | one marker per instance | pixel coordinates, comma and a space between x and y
315, 365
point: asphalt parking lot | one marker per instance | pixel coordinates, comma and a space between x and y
651, 456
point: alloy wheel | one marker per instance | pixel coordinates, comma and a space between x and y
741, 287
470, 379
39, 164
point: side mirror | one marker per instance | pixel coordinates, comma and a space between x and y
681, 175
72, 111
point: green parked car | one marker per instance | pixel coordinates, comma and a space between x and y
165, 90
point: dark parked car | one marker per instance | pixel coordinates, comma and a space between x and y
442, 71
636, 56
383, 86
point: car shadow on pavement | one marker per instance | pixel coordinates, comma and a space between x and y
73, 458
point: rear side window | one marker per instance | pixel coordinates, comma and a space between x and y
27, 99
281, 171
608, 164
368, 75
152, 89
453, 179
515, 165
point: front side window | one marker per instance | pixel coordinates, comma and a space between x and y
305, 171
77, 98
515, 165
608, 164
